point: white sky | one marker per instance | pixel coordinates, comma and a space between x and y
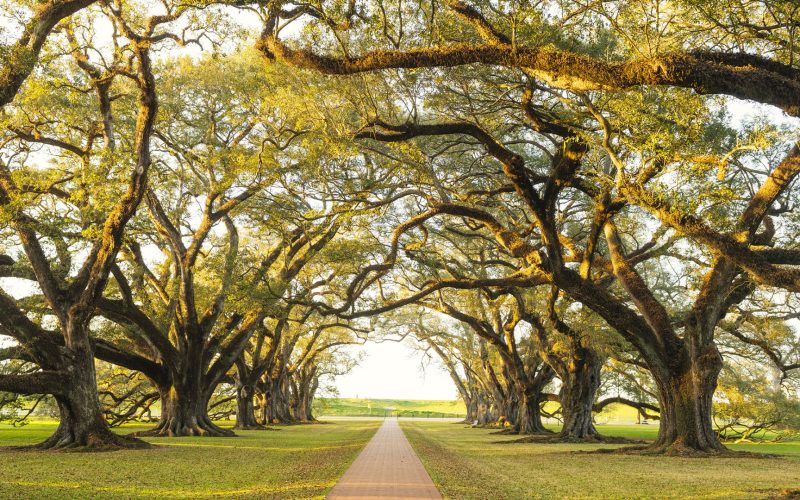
392, 370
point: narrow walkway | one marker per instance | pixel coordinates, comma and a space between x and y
386, 468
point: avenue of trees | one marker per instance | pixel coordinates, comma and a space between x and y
587, 202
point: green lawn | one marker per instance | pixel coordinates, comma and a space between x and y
305, 461
467, 463
302, 461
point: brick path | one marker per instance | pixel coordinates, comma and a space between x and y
387, 468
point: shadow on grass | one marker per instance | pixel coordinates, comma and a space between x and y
558, 439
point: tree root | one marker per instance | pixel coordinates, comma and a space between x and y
92, 441
681, 450
176, 428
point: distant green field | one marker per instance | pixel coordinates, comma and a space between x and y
352, 407
365, 407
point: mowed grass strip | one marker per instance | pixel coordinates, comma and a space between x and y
299, 461
468, 463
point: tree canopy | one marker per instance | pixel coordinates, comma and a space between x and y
217, 197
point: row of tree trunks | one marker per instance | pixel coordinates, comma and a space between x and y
577, 396
685, 397
185, 407
278, 401
473, 385
304, 390
480, 409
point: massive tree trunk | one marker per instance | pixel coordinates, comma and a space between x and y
484, 412
480, 407
508, 407
579, 386
502, 401
263, 400
527, 387
81, 417
529, 417
184, 412
685, 367
685, 393
245, 393
185, 394
184, 403
278, 410
81, 421
506, 400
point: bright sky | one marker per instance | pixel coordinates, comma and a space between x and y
392, 370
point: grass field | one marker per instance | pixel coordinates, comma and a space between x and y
305, 461
468, 463
301, 461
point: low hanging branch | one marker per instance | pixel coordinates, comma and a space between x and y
743, 76
640, 407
